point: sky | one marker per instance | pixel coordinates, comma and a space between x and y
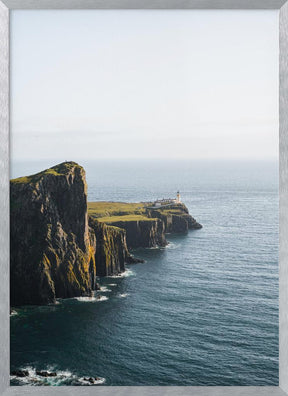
135, 84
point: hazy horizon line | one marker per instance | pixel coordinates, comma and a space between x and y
148, 159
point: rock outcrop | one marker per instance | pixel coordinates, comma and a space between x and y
52, 246
143, 233
176, 219
57, 250
111, 251
150, 232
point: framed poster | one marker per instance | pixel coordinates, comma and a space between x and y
144, 198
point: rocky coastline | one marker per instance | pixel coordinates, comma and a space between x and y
60, 243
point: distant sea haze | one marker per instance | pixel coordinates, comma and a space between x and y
202, 311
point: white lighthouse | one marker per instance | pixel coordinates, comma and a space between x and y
178, 198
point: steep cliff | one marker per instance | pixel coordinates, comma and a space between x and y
52, 246
57, 249
175, 217
145, 224
143, 233
111, 252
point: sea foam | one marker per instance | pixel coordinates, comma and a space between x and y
13, 313
91, 299
105, 289
124, 274
123, 295
63, 377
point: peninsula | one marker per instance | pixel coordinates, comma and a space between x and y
60, 242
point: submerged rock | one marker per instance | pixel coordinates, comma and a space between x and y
46, 373
134, 260
20, 373
92, 380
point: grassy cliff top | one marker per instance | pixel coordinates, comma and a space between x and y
107, 209
112, 212
171, 211
58, 170
125, 218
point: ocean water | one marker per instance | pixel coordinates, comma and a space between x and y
202, 311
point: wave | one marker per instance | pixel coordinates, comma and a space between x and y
172, 245
87, 381
59, 378
105, 289
91, 299
102, 298
123, 295
124, 274
112, 284
57, 302
13, 313
85, 299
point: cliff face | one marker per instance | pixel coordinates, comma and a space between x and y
52, 247
145, 225
57, 250
176, 219
111, 252
143, 233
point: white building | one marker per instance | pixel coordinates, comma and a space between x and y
168, 201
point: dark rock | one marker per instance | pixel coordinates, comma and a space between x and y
46, 374
20, 373
57, 250
91, 379
143, 233
133, 260
179, 224
52, 247
175, 217
193, 224
111, 251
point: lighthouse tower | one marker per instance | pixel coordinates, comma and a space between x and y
178, 199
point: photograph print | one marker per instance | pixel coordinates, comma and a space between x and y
144, 198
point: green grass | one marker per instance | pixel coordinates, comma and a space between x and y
111, 227
114, 212
172, 211
25, 179
108, 209
57, 170
124, 218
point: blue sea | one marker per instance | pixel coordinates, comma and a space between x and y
202, 311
